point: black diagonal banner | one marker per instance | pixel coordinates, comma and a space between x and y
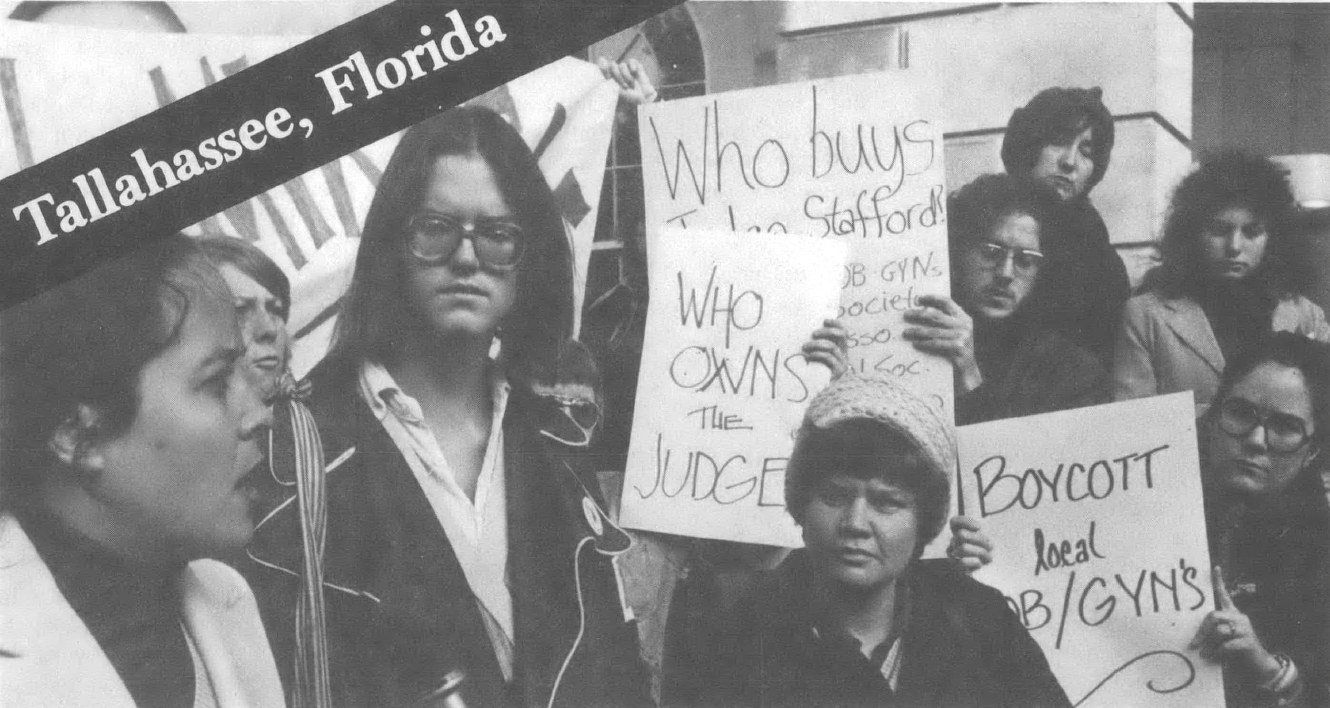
294, 112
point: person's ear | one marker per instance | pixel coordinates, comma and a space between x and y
75, 442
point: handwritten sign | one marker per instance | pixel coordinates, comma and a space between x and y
1100, 532
724, 383
856, 159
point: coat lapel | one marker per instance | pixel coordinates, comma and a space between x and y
223, 622
1188, 322
55, 659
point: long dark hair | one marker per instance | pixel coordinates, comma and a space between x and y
1233, 179
374, 314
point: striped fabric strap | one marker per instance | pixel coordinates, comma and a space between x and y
313, 687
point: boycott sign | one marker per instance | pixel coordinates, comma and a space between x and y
856, 158
1112, 595
723, 382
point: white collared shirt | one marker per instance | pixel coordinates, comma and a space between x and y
477, 530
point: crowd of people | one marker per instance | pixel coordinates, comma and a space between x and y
166, 541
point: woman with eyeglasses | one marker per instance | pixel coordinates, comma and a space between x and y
1269, 525
1233, 270
463, 534
1005, 363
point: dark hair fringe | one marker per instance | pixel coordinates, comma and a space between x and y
1051, 118
375, 313
864, 447
1233, 179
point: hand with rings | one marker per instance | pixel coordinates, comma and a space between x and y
1226, 636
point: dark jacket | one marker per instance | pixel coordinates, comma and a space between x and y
1042, 373
400, 614
962, 646
1082, 292
1276, 564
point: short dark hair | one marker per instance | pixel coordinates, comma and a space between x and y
248, 259
374, 314
864, 448
1054, 117
975, 209
1309, 356
86, 343
1233, 179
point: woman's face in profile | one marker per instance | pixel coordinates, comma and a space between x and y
1259, 435
458, 284
173, 486
1233, 243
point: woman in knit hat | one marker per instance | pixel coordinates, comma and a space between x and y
856, 618
1063, 137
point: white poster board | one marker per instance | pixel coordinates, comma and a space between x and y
855, 158
1097, 517
723, 383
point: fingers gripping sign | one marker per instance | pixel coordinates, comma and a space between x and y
969, 548
942, 328
828, 346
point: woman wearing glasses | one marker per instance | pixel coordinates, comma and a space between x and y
463, 534
1233, 271
1269, 525
1005, 364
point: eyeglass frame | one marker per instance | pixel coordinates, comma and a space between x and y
1260, 421
468, 231
566, 404
988, 250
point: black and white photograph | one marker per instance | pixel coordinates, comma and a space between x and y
664, 354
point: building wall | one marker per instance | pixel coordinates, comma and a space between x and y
986, 60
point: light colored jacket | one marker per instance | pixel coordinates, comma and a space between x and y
51, 659
1166, 345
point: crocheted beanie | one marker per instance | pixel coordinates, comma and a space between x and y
890, 405
1047, 116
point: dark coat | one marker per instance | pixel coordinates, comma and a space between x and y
1082, 292
400, 614
1043, 373
1276, 564
962, 646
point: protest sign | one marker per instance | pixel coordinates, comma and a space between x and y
723, 383
1074, 502
856, 158
310, 225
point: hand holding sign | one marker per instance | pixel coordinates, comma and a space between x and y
969, 547
941, 327
827, 346
1226, 635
